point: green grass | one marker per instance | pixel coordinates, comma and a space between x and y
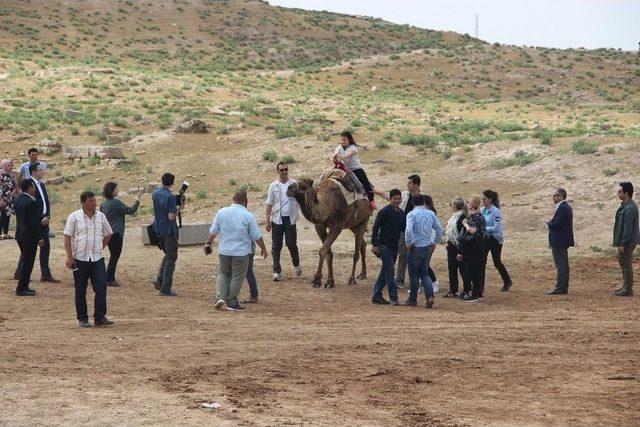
270, 156
582, 146
611, 171
519, 158
288, 159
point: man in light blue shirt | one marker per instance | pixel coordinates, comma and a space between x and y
237, 227
421, 242
33, 159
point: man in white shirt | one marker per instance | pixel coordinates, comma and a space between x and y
86, 234
281, 216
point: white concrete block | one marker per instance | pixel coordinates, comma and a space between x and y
190, 234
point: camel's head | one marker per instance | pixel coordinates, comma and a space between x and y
299, 187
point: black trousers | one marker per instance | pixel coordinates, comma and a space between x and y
95, 271
28, 256
473, 267
561, 260
290, 235
362, 176
115, 250
456, 266
492, 245
45, 271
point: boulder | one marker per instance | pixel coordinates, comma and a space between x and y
192, 126
217, 111
55, 181
49, 146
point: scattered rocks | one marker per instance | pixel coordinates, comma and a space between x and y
217, 111
605, 126
269, 111
192, 126
21, 138
49, 146
114, 139
236, 114
72, 113
85, 151
55, 181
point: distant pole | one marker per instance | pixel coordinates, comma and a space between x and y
476, 25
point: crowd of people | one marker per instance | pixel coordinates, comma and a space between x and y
405, 234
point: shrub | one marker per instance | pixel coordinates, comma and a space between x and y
270, 156
93, 160
610, 171
249, 187
582, 146
419, 140
288, 159
382, 143
520, 158
201, 194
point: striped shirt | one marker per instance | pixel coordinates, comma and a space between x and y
420, 223
86, 235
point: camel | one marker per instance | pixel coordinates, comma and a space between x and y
326, 207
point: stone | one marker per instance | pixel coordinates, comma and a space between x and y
114, 139
55, 181
190, 234
217, 111
84, 151
72, 113
192, 126
269, 111
236, 113
605, 126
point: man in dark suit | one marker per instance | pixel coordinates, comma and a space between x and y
28, 233
42, 199
560, 240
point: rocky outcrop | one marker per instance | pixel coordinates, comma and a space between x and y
85, 151
192, 126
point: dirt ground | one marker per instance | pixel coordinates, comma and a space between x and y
321, 357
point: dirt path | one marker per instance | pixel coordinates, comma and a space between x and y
308, 356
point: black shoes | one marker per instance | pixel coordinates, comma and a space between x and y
429, 303
506, 287
624, 292
557, 292
450, 295
113, 284
104, 322
84, 323
380, 301
156, 286
410, 303
49, 279
26, 293
236, 307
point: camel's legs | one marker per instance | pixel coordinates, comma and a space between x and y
359, 251
325, 251
317, 278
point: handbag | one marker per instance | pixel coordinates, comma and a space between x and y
154, 239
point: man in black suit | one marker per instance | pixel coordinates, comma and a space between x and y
42, 199
28, 233
560, 240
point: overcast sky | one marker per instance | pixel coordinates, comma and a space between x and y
550, 23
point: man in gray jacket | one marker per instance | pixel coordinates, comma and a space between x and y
626, 236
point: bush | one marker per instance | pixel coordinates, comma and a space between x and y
544, 135
382, 143
584, 147
520, 158
288, 159
419, 140
201, 194
93, 160
611, 171
270, 156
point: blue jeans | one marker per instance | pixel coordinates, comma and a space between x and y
418, 265
251, 279
388, 257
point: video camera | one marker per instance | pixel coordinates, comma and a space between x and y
181, 199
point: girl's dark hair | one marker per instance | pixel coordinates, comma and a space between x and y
108, 189
493, 196
348, 135
429, 203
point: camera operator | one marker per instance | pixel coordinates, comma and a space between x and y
166, 211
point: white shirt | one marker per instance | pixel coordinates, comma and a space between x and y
44, 203
284, 199
354, 162
277, 199
86, 235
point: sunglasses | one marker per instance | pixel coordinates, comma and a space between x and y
283, 170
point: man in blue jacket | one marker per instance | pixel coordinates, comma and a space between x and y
560, 240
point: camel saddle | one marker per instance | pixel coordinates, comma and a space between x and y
348, 184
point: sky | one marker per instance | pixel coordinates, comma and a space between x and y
550, 23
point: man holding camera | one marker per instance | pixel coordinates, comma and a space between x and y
165, 210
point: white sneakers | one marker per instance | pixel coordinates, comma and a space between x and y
277, 277
436, 287
219, 304
298, 271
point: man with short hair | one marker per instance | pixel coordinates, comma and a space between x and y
28, 233
237, 227
165, 211
389, 224
560, 240
626, 236
421, 242
25, 173
86, 234
36, 172
413, 189
281, 216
